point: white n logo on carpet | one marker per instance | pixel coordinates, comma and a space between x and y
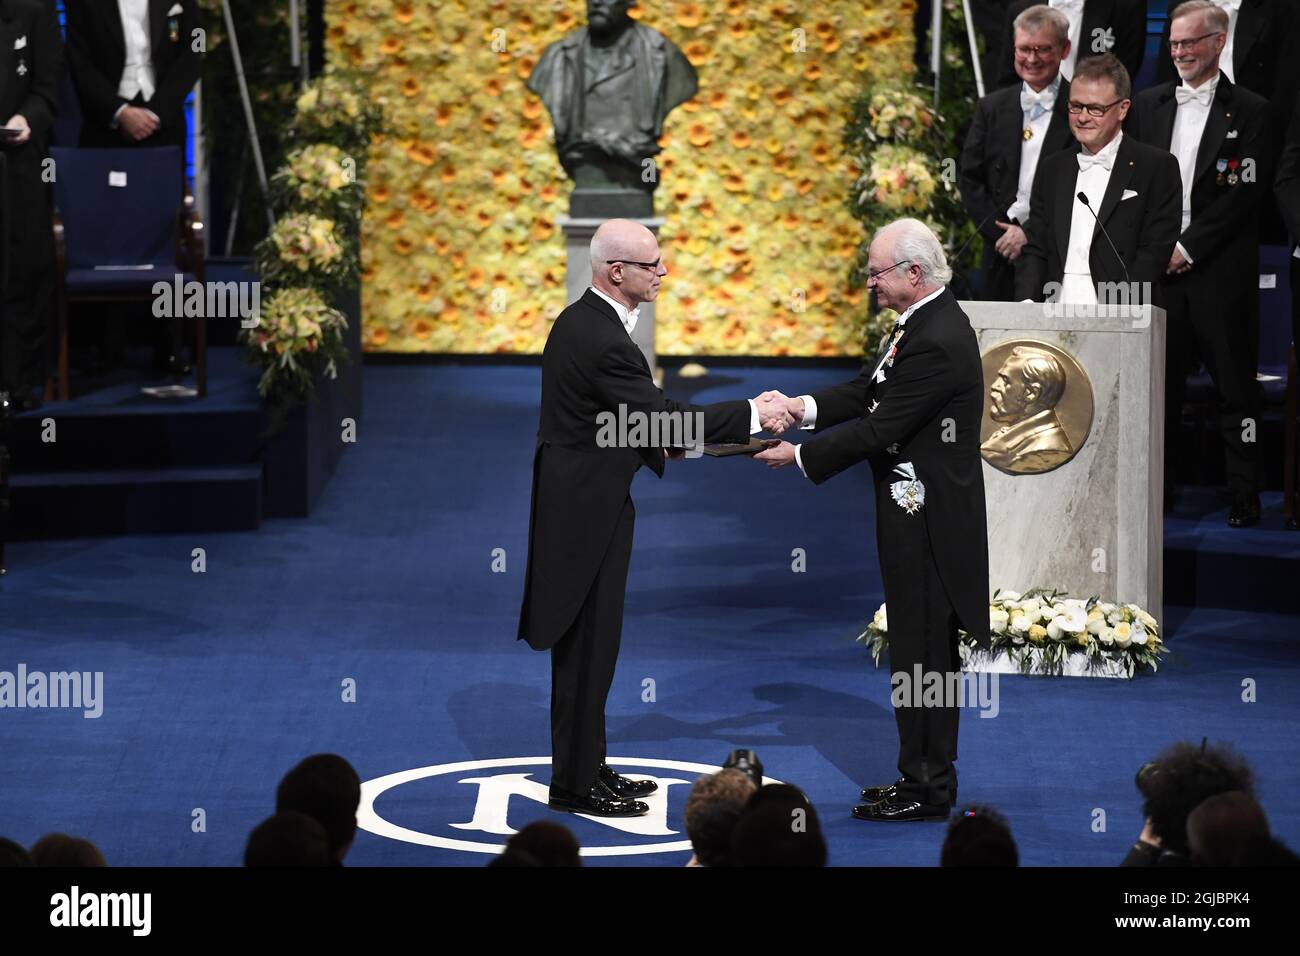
493, 806
496, 795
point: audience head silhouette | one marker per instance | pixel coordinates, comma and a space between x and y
326, 788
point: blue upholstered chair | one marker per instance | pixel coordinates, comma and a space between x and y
123, 220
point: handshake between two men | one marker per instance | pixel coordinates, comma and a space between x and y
776, 413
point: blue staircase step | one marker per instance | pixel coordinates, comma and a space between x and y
1208, 564
136, 501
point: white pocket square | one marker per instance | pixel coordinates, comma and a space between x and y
175, 10
21, 42
1231, 134
1128, 194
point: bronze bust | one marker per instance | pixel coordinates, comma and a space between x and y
608, 87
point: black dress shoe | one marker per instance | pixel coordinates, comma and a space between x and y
876, 794
622, 787
1244, 512
899, 811
890, 792
599, 802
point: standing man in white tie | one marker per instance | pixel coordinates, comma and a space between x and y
31, 62
133, 63
1254, 44
1095, 27
1113, 249
1258, 55
915, 418
581, 520
1013, 128
1225, 145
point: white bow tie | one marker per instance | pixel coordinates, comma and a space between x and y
1227, 4
1086, 162
1185, 94
1066, 4
1036, 104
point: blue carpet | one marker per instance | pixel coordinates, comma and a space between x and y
217, 682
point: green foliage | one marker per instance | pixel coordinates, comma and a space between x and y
907, 154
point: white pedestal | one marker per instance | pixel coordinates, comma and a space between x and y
1076, 665
1094, 525
577, 241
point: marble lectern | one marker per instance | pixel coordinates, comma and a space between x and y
1073, 447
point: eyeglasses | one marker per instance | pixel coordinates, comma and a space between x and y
1025, 52
1094, 109
653, 266
1176, 45
888, 269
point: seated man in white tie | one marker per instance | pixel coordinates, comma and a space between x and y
1224, 143
1103, 218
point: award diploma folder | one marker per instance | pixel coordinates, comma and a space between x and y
726, 449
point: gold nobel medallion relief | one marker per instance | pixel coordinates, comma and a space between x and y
1039, 408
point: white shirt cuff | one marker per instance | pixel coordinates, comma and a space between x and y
1179, 247
809, 415
798, 459
754, 425
117, 115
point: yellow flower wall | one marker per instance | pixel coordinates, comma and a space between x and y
461, 248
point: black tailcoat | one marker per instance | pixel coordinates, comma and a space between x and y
97, 56
590, 365
1223, 237
990, 172
927, 412
31, 62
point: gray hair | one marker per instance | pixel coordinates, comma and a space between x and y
915, 243
1105, 67
1032, 19
1216, 18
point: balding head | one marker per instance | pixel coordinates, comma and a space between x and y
625, 262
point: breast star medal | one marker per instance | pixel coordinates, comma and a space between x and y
908, 494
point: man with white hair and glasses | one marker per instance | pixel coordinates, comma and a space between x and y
914, 415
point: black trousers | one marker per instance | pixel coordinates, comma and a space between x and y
1201, 330
582, 668
1295, 301
998, 276
23, 321
923, 628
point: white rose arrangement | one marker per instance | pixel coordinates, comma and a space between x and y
1040, 629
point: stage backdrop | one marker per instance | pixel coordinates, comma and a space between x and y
461, 247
